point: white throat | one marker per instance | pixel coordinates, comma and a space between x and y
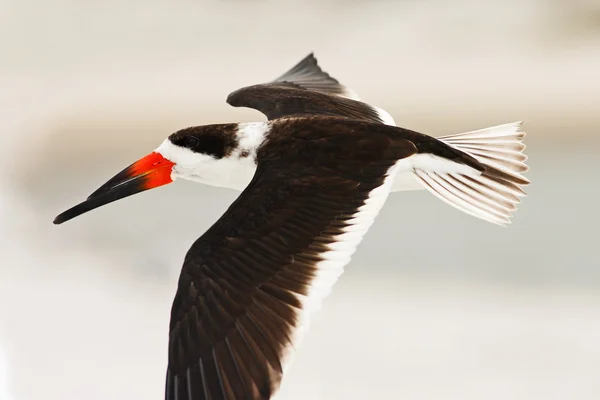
234, 171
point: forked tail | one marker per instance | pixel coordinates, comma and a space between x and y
493, 195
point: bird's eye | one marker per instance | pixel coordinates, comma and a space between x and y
191, 141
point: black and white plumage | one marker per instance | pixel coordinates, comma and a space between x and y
314, 177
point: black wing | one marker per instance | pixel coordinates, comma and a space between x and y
308, 75
306, 90
248, 283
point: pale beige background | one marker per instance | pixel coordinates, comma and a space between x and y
435, 305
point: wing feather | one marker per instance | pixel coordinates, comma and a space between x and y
309, 75
307, 90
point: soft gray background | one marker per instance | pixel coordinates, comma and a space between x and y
435, 305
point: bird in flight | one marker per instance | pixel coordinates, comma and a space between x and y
313, 179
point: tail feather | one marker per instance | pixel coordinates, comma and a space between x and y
504, 131
494, 194
439, 186
496, 151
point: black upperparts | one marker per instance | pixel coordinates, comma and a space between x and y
217, 141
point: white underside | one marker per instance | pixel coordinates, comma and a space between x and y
406, 181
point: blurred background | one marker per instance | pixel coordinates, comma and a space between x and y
440, 306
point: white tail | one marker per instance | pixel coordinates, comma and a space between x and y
493, 195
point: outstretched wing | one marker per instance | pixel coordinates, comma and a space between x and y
306, 90
249, 283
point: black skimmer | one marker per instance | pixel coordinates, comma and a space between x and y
314, 177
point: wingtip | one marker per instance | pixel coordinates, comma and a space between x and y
308, 59
307, 73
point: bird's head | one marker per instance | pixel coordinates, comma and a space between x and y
218, 155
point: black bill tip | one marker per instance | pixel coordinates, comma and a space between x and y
121, 191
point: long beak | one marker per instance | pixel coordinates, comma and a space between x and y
147, 173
